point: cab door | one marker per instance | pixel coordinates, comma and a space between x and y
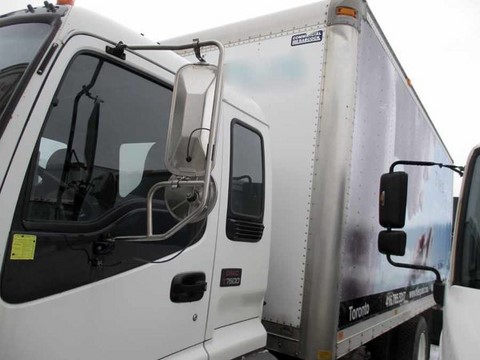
243, 246
93, 146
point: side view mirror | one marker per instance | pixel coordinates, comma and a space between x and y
192, 131
190, 120
393, 199
392, 209
439, 292
392, 242
392, 212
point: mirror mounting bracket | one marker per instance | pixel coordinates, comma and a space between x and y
196, 49
150, 237
117, 51
196, 45
415, 267
458, 169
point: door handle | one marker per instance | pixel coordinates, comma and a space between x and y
188, 287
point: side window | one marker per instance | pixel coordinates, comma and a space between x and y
103, 143
247, 184
467, 272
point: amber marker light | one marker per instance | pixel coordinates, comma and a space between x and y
65, 2
346, 11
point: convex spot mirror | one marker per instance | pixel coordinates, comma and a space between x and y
190, 118
393, 199
392, 243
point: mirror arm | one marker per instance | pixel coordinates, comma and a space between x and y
215, 119
181, 223
458, 169
166, 235
415, 267
194, 45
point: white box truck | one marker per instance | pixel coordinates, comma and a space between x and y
149, 213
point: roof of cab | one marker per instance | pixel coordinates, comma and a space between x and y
75, 20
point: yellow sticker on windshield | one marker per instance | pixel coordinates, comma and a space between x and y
23, 247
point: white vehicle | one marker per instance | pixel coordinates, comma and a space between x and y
458, 295
460, 320
148, 213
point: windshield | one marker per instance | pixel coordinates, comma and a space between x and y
19, 43
469, 253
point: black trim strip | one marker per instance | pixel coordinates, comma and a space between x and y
460, 231
6, 116
360, 309
241, 230
55, 21
47, 58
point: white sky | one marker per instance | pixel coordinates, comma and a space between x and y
436, 42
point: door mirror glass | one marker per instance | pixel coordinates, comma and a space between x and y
393, 199
190, 118
392, 242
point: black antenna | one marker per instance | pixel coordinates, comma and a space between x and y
50, 6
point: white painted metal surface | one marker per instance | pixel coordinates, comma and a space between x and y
459, 338
231, 306
230, 342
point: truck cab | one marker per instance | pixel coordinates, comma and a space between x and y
84, 137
